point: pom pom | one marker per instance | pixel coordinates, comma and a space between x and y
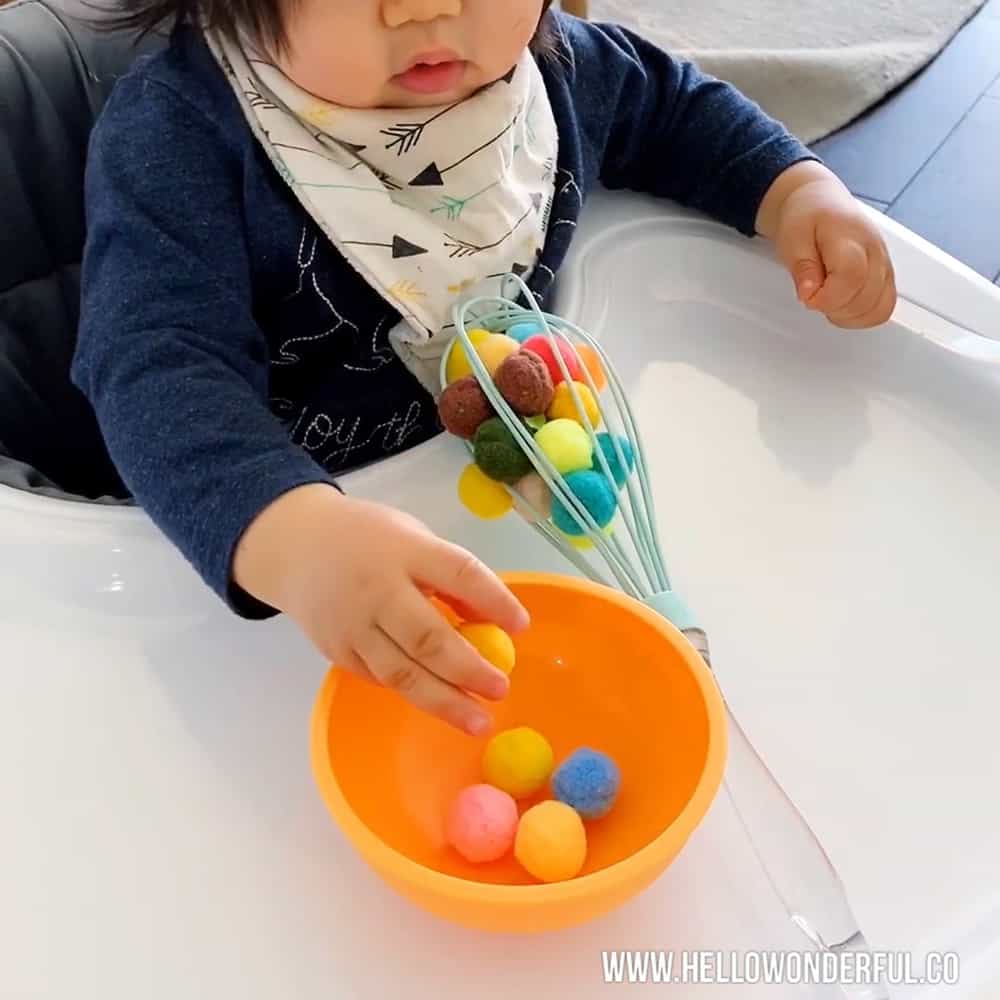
483, 496
585, 542
537, 494
540, 345
525, 383
551, 842
564, 407
596, 494
592, 362
463, 406
494, 350
498, 454
491, 643
588, 781
521, 332
606, 444
458, 365
518, 761
482, 823
566, 445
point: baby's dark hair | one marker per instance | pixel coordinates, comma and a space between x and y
263, 19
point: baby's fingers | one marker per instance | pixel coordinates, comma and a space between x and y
426, 638
880, 313
846, 265
475, 590
394, 669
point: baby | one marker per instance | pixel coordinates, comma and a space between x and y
283, 208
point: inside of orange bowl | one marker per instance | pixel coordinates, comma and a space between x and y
590, 672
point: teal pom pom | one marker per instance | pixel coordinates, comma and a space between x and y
588, 781
498, 454
524, 331
596, 494
606, 444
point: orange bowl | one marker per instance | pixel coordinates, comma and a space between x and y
595, 669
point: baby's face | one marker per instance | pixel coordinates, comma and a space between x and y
404, 53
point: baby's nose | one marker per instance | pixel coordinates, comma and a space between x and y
398, 12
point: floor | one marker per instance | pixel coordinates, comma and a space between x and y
929, 155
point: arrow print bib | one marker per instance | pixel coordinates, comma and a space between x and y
426, 203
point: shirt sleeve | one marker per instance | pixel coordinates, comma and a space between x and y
169, 353
665, 128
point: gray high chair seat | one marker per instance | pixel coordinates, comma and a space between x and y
56, 71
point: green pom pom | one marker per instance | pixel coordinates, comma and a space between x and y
498, 454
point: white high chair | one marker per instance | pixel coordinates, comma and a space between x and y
828, 503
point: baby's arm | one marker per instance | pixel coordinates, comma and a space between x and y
177, 370
662, 126
169, 354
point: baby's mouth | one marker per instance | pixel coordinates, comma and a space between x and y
433, 73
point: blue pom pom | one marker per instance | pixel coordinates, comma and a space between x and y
596, 494
588, 781
522, 331
606, 444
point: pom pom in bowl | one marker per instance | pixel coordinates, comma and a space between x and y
389, 772
587, 780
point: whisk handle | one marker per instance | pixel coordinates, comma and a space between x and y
669, 605
798, 868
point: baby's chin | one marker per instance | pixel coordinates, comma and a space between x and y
397, 97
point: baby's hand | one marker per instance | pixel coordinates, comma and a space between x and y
354, 576
834, 252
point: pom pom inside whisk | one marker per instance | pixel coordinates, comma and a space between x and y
463, 407
498, 454
597, 496
607, 445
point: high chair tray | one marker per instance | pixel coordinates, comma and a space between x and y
828, 505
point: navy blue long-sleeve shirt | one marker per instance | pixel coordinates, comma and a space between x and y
230, 351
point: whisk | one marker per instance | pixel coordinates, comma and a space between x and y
630, 556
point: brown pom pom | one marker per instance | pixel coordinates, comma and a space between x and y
525, 382
463, 407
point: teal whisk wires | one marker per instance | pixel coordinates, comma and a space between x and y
789, 853
638, 568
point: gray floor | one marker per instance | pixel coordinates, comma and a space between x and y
930, 154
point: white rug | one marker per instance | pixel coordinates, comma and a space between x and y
813, 64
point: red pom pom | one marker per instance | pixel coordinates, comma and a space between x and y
540, 345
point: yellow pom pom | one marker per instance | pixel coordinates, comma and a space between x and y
583, 542
492, 644
518, 761
566, 445
551, 842
492, 349
458, 362
564, 408
495, 349
485, 497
